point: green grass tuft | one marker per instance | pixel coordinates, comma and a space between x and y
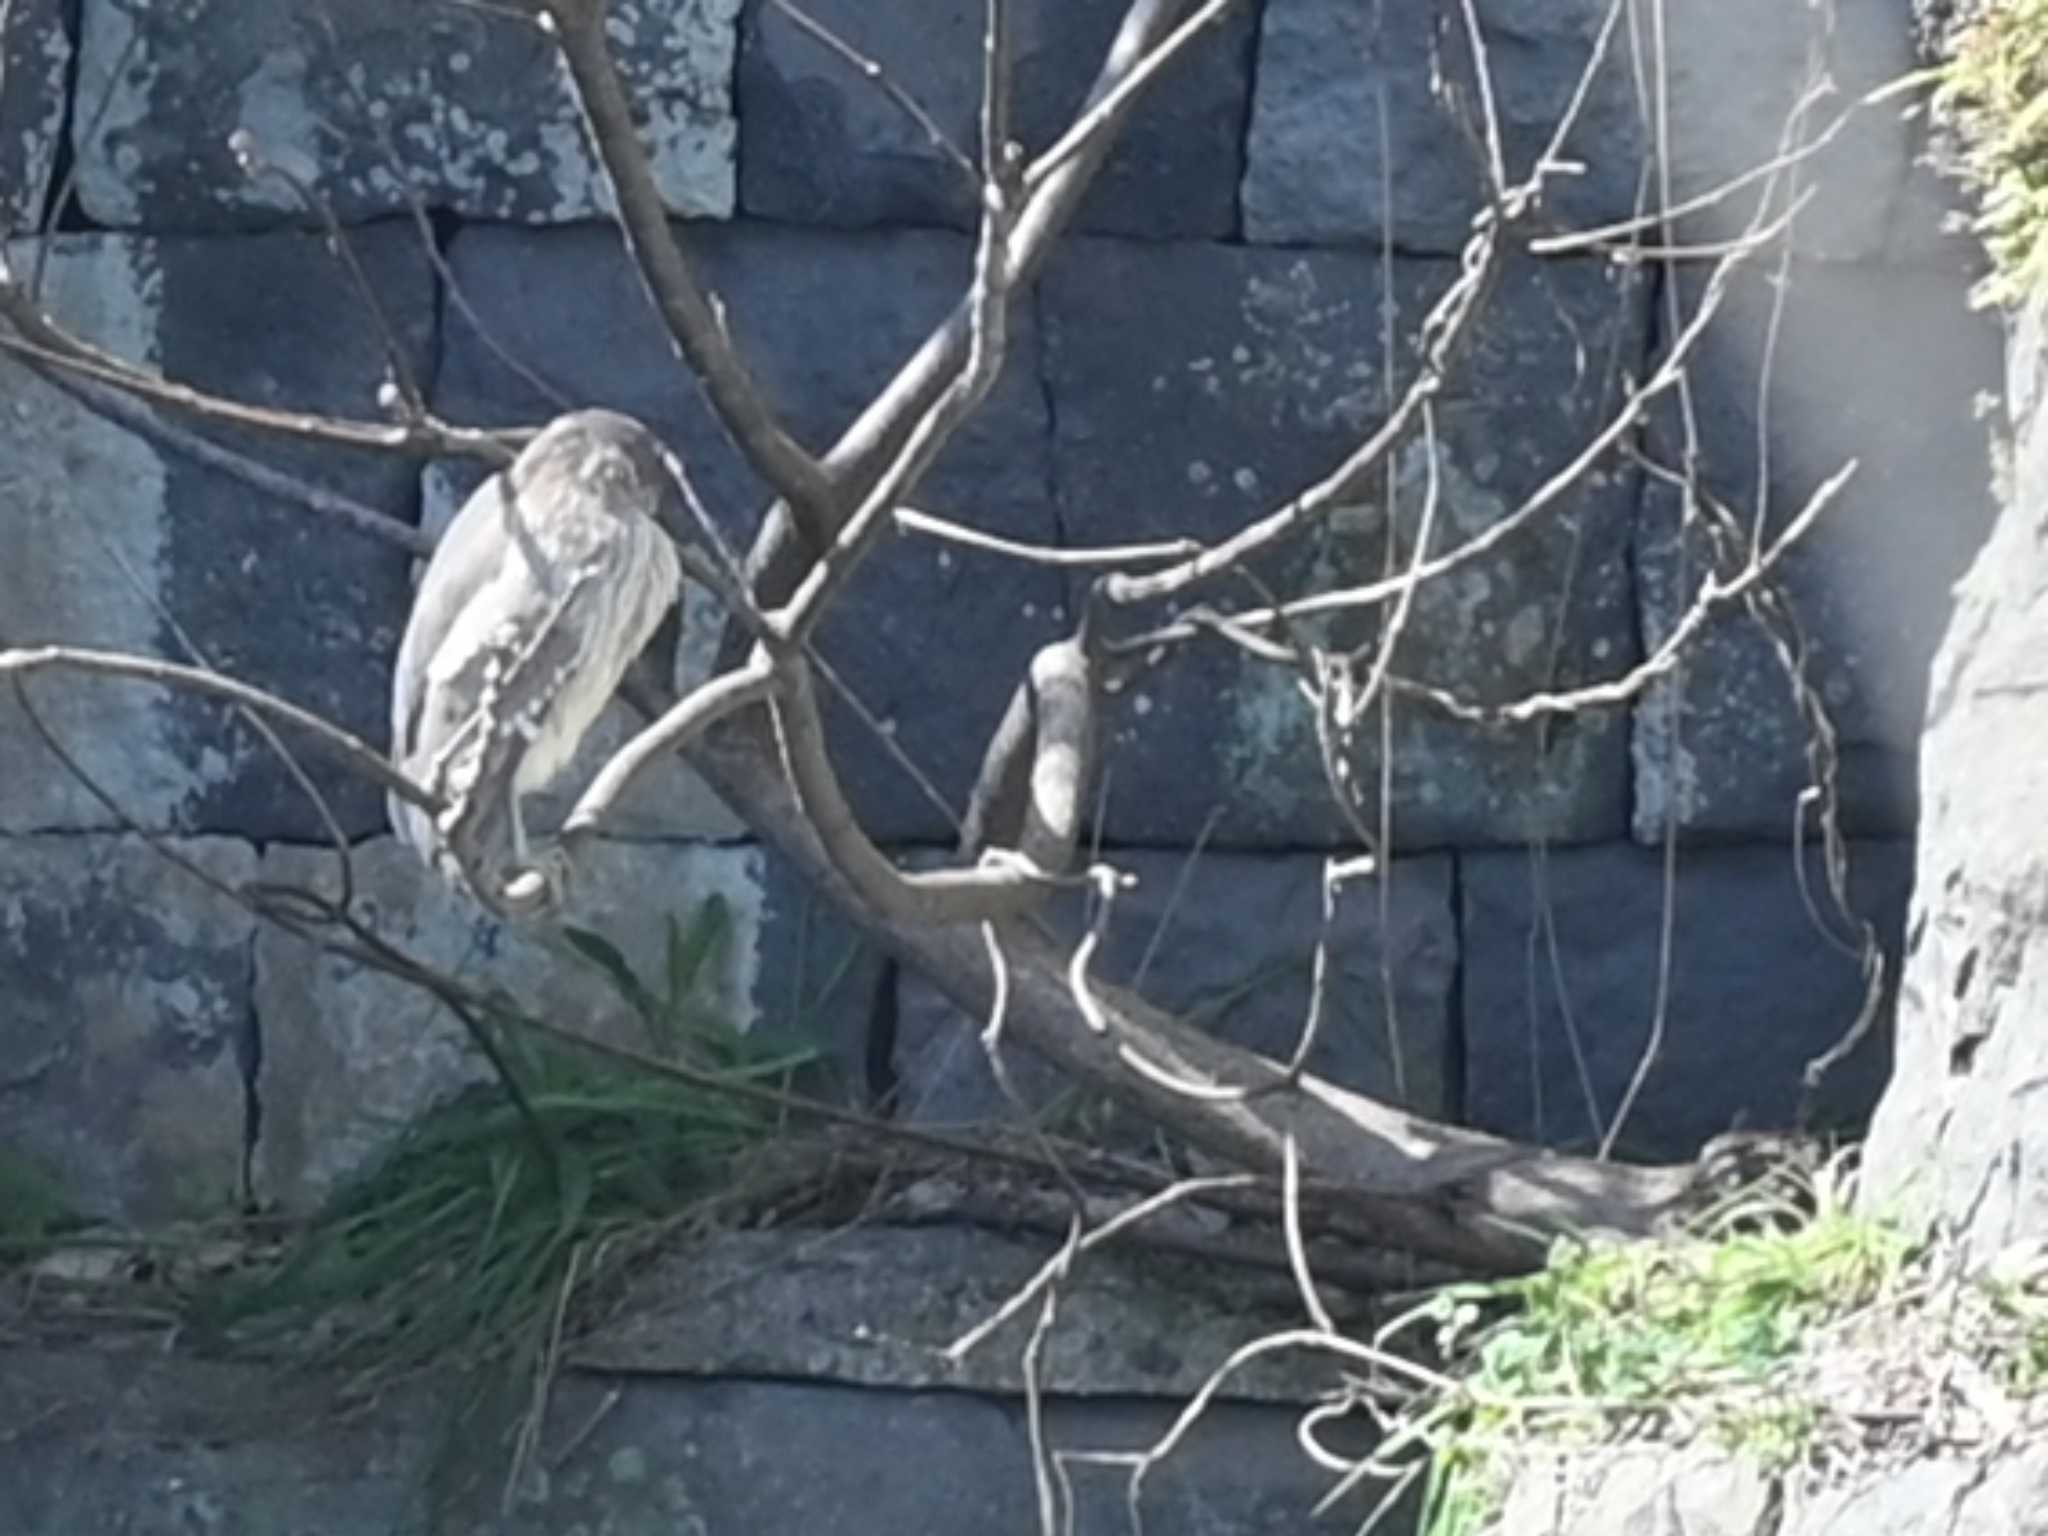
1994, 90
470, 1237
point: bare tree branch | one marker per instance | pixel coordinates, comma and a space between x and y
354, 753
872, 72
40, 341
693, 325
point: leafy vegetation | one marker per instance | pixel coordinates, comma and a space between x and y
473, 1235
33, 1206
1994, 90
1795, 1343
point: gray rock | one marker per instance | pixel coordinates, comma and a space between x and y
1560, 986
879, 1305
1196, 387
1322, 165
125, 1031
931, 638
370, 101
1228, 940
350, 1057
1708, 1493
820, 144
1883, 367
1958, 1134
145, 1443
121, 539
35, 63
784, 1458
1701, 1493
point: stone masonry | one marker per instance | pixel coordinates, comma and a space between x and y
1233, 310
1237, 304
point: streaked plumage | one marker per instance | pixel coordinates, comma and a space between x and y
545, 587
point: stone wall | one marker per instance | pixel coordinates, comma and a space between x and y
1210, 339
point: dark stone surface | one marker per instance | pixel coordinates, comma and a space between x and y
118, 534
879, 1304
1319, 171
930, 638
349, 1058
1228, 940
1705, 1492
1561, 962
1959, 1134
1196, 387
1883, 367
134, 1441
35, 64
779, 1459
1316, 170
272, 593
819, 144
125, 1023
466, 106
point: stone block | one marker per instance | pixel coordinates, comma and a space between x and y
821, 144
466, 107
35, 65
784, 1458
1883, 367
1197, 387
1350, 140
349, 1057
121, 541
140, 1440
931, 638
1227, 940
1560, 989
125, 1026
878, 1305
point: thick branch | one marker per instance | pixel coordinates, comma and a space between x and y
867, 446
1457, 1195
929, 898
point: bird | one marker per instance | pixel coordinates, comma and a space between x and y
546, 586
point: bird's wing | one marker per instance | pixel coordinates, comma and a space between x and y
471, 552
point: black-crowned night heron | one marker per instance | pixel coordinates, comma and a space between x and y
544, 589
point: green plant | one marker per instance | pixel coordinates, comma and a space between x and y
34, 1209
473, 1234
1994, 89
1701, 1334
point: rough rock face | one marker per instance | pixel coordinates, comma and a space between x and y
1961, 1133
1707, 1494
